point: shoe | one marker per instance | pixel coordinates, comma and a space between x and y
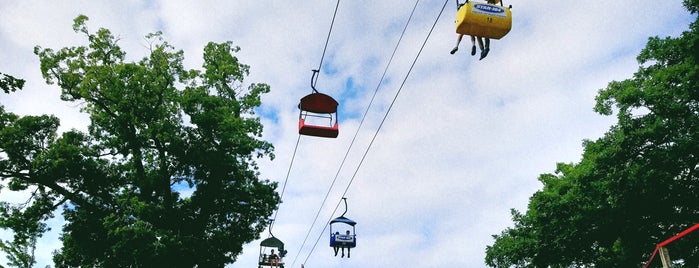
473, 50
484, 53
453, 50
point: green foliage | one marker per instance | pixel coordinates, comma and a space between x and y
634, 187
9, 83
155, 129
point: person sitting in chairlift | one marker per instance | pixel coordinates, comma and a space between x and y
484, 49
335, 247
273, 259
348, 248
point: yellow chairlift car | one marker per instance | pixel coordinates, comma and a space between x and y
488, 20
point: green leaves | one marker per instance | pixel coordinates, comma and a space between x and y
153, 126
634, 187
9, 83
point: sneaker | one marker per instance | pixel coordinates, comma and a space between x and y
484, 53
473, 50
453, 50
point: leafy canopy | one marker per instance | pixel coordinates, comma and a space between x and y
156, 132
634, 187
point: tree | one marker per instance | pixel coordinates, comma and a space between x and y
155, 129
20, 250
9, 83
635, 186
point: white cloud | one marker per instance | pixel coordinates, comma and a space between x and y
464, 142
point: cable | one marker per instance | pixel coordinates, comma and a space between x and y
356, 133
327, 40
325, 48
281, 195
380, 125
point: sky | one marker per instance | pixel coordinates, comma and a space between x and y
463, 143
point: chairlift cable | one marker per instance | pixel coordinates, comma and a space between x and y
380, 125
281, 195
361, 123
325, 48
314, 78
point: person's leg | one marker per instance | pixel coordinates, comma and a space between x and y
348, 253
473, 45
458, 41
484, 53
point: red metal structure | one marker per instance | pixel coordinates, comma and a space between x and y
670, 240
322, 106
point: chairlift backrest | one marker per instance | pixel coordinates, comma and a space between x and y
272, 242
318, 103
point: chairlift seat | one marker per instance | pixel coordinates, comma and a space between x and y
343, 240
483, 20
273, 243
318, 131
318, 105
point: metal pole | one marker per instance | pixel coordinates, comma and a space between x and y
665, 257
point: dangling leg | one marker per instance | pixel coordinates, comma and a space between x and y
458, 40
335, 249
480, 43
348, 253
484, 53
343, 252
473, 45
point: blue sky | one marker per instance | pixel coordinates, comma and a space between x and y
463, 144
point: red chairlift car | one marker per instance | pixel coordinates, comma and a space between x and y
318, 106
